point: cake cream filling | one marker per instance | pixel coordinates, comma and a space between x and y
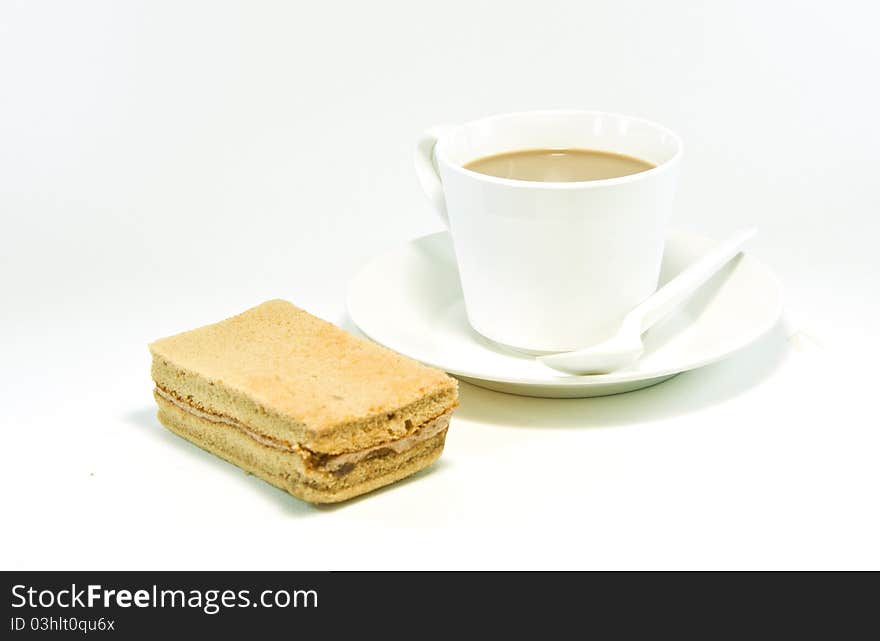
329, 462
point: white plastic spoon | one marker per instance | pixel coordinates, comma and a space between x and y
626, 346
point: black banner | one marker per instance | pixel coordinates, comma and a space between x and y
393, 604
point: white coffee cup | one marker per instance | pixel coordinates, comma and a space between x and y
551, 266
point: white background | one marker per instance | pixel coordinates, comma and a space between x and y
167, 164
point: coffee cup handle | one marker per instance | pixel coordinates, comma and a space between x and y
426, 169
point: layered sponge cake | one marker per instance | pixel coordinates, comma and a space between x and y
302, 404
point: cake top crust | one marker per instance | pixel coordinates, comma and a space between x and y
302, 369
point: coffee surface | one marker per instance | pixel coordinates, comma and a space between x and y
559, 165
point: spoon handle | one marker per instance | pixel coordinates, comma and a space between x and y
666, 299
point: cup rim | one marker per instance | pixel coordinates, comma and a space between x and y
440, 149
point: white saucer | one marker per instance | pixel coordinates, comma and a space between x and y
410, 300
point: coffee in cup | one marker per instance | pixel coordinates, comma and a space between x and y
558, 165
